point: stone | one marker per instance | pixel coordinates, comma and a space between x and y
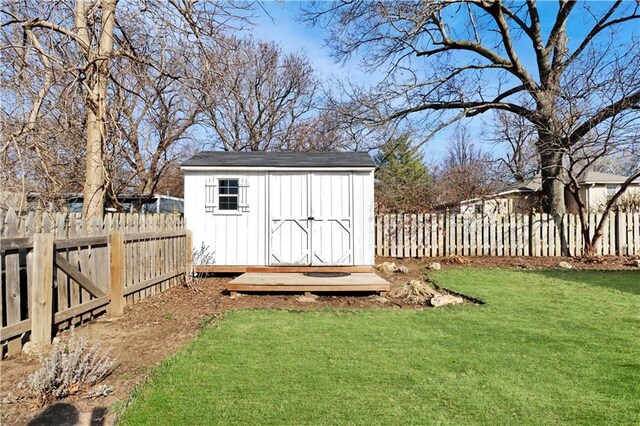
380, 299
435, 266
635, 263
387, 267
445, 299
307, 298
9, 399
402, 269
564, 265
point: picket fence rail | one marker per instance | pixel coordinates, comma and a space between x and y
538, 234
58, 270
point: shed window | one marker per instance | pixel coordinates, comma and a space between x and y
228, 194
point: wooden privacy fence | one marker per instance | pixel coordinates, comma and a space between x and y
432, 235
58, 270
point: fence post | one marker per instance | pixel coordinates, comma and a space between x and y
42, 291
188, 247
618, 233
445, 233
117, 269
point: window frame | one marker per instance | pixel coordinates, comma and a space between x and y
615, 188
220, 194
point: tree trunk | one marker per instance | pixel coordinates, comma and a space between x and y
552, 177
94, 187
94, 168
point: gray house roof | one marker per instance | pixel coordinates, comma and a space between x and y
280, 159
529, 185
589, 177
535, 184
602, 178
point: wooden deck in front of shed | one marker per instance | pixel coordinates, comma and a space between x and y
298, 282
239, 269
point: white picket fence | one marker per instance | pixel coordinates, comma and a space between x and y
433, 235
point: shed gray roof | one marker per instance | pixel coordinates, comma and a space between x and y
280, 159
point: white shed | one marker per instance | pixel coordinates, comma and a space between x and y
281, 208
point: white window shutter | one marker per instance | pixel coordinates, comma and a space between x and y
210, 196
243, 204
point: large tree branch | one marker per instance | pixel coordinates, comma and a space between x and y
517, 69
473, 108
38, 23
630, 101
559, 23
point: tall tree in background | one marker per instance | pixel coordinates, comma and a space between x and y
466, 171
445, 60
403, 182
611, 148
78, 41
516, 137
89, 27
151, 115
255, 97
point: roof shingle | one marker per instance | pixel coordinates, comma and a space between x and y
280, 159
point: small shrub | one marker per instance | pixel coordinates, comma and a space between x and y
414, 291
69, 368
201, 256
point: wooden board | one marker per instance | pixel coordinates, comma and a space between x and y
235, 269
254, 281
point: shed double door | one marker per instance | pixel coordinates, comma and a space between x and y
310, 218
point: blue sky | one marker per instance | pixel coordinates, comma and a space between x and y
282, 27
279, 24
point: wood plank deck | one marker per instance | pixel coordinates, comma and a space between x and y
248, 268
297, 282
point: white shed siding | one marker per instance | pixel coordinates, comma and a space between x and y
245, 238
227, 235
363, 214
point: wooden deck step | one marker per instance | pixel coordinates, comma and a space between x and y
246, 268
298, 282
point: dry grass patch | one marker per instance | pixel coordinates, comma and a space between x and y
415, 291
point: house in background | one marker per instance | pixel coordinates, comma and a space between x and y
155, 203
596, 189
519, 197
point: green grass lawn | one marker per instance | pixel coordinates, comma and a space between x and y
548, 347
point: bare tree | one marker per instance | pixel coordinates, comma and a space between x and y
466, 171
325, 131
599, 146
82, 39
517, 136
256, 96
90, 27
442, 60
151, 115
42, 139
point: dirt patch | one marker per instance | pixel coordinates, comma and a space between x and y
158, 326
607, 263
